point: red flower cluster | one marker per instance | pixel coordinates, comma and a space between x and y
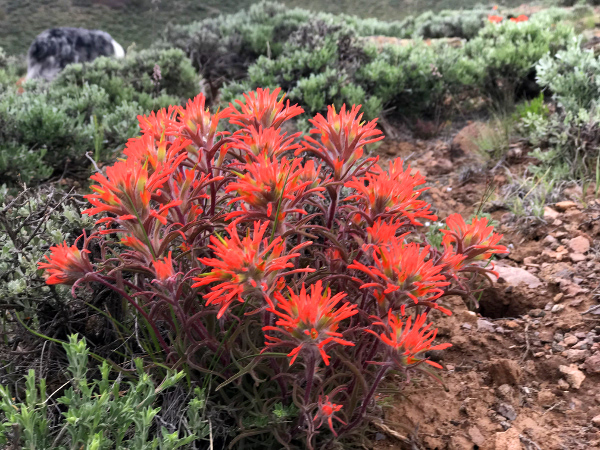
316, 248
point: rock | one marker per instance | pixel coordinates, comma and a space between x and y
508, 440
440, 166
563, 385
485, 325
557, 308
549, 215
563, 206
465, 142
558, 297
573, 375
577, 257
505, 392
504, 371
579, 244
574, 356
596, 421
506, 410
592, 364
537, 313
515, 276
570, 340
476, 436
546, 398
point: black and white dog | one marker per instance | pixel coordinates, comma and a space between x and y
54, 49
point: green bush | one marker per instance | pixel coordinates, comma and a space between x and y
30, 222
508, 52
572, 76
98, 414
87, 108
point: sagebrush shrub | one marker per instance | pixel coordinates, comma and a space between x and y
290, 284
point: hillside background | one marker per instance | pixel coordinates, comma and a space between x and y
139, 21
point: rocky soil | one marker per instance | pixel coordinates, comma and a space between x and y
524, 368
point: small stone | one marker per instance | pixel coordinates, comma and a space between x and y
573, 375
550, 214
574, 356
563, 385
558, 336
546, 398
506, 410
512, 324
466, 326
505, 392
579, 244
581, 345
549, 239
515, 276
558, 297
476, 436
530, 261
563, 206
537, 313
570, 340
485, 325
539, 354
596, 421
577, 257
592, 364
557, 347
557, 308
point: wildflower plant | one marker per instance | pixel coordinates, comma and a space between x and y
283, 274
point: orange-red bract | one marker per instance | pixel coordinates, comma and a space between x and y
66, 265
477, 241
326, 412
408, 340
391, 193
244, 265
342, 139
311, 320
261, 109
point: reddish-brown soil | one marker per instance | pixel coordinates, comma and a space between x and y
524, 368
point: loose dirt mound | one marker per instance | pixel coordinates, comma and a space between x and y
523, 372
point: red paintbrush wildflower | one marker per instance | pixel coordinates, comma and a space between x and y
408, 342
383, 233
198, 124
327, 412
261, 109
495, 19
269, 142
160, 124
451, 261
66, 264
244, 266
391, 193
310, 320
476, 241
272, 188
342, 139
152, 153
164, 269
521, 18
402, 269
127, 188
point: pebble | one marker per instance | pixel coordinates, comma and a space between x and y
596, 421
546, 398
579, 244
563, 385
570, 340
506, 410
592, 364
537, 313
558, 297
573, 375
557, 308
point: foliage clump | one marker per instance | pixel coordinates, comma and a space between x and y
284, 274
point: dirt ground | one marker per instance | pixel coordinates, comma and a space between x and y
523, 371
